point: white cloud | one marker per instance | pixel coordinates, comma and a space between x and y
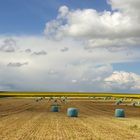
121, 80
55, 71
74, 81
75, 70
8, 45
40, 53
126, 6
17, 64
63, 11
28, 50
117, 28
64, 49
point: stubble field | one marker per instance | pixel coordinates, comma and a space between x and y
26, 119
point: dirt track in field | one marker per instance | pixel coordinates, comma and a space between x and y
26, 119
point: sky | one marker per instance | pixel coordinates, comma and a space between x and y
70, 45
30, 16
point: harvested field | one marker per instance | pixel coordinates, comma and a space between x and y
26, 119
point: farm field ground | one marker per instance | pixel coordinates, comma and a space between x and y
26, 119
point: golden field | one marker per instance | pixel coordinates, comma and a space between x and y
26, 119
69, 94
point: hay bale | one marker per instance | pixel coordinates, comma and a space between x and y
138, 103
55, 100
133, 104
93, 97
63, 98
72, 112
54, 108
109, 98
121, 99
118, 102
50, 98
125, 98
38, 99
119, 113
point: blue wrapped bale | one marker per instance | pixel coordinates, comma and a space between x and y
54, 108
119, 113
72, 112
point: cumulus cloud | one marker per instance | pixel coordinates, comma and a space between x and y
64, 49
6, 87
52, 72
8, 45
40, 53
63, 11
28, 51
115, 44
126, 6
76, 70
115, 29
74, 81
17, 64
121, 80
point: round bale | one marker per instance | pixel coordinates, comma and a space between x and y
133, 104
54, 108
72, 112
117, 103
50, 98
119, 113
